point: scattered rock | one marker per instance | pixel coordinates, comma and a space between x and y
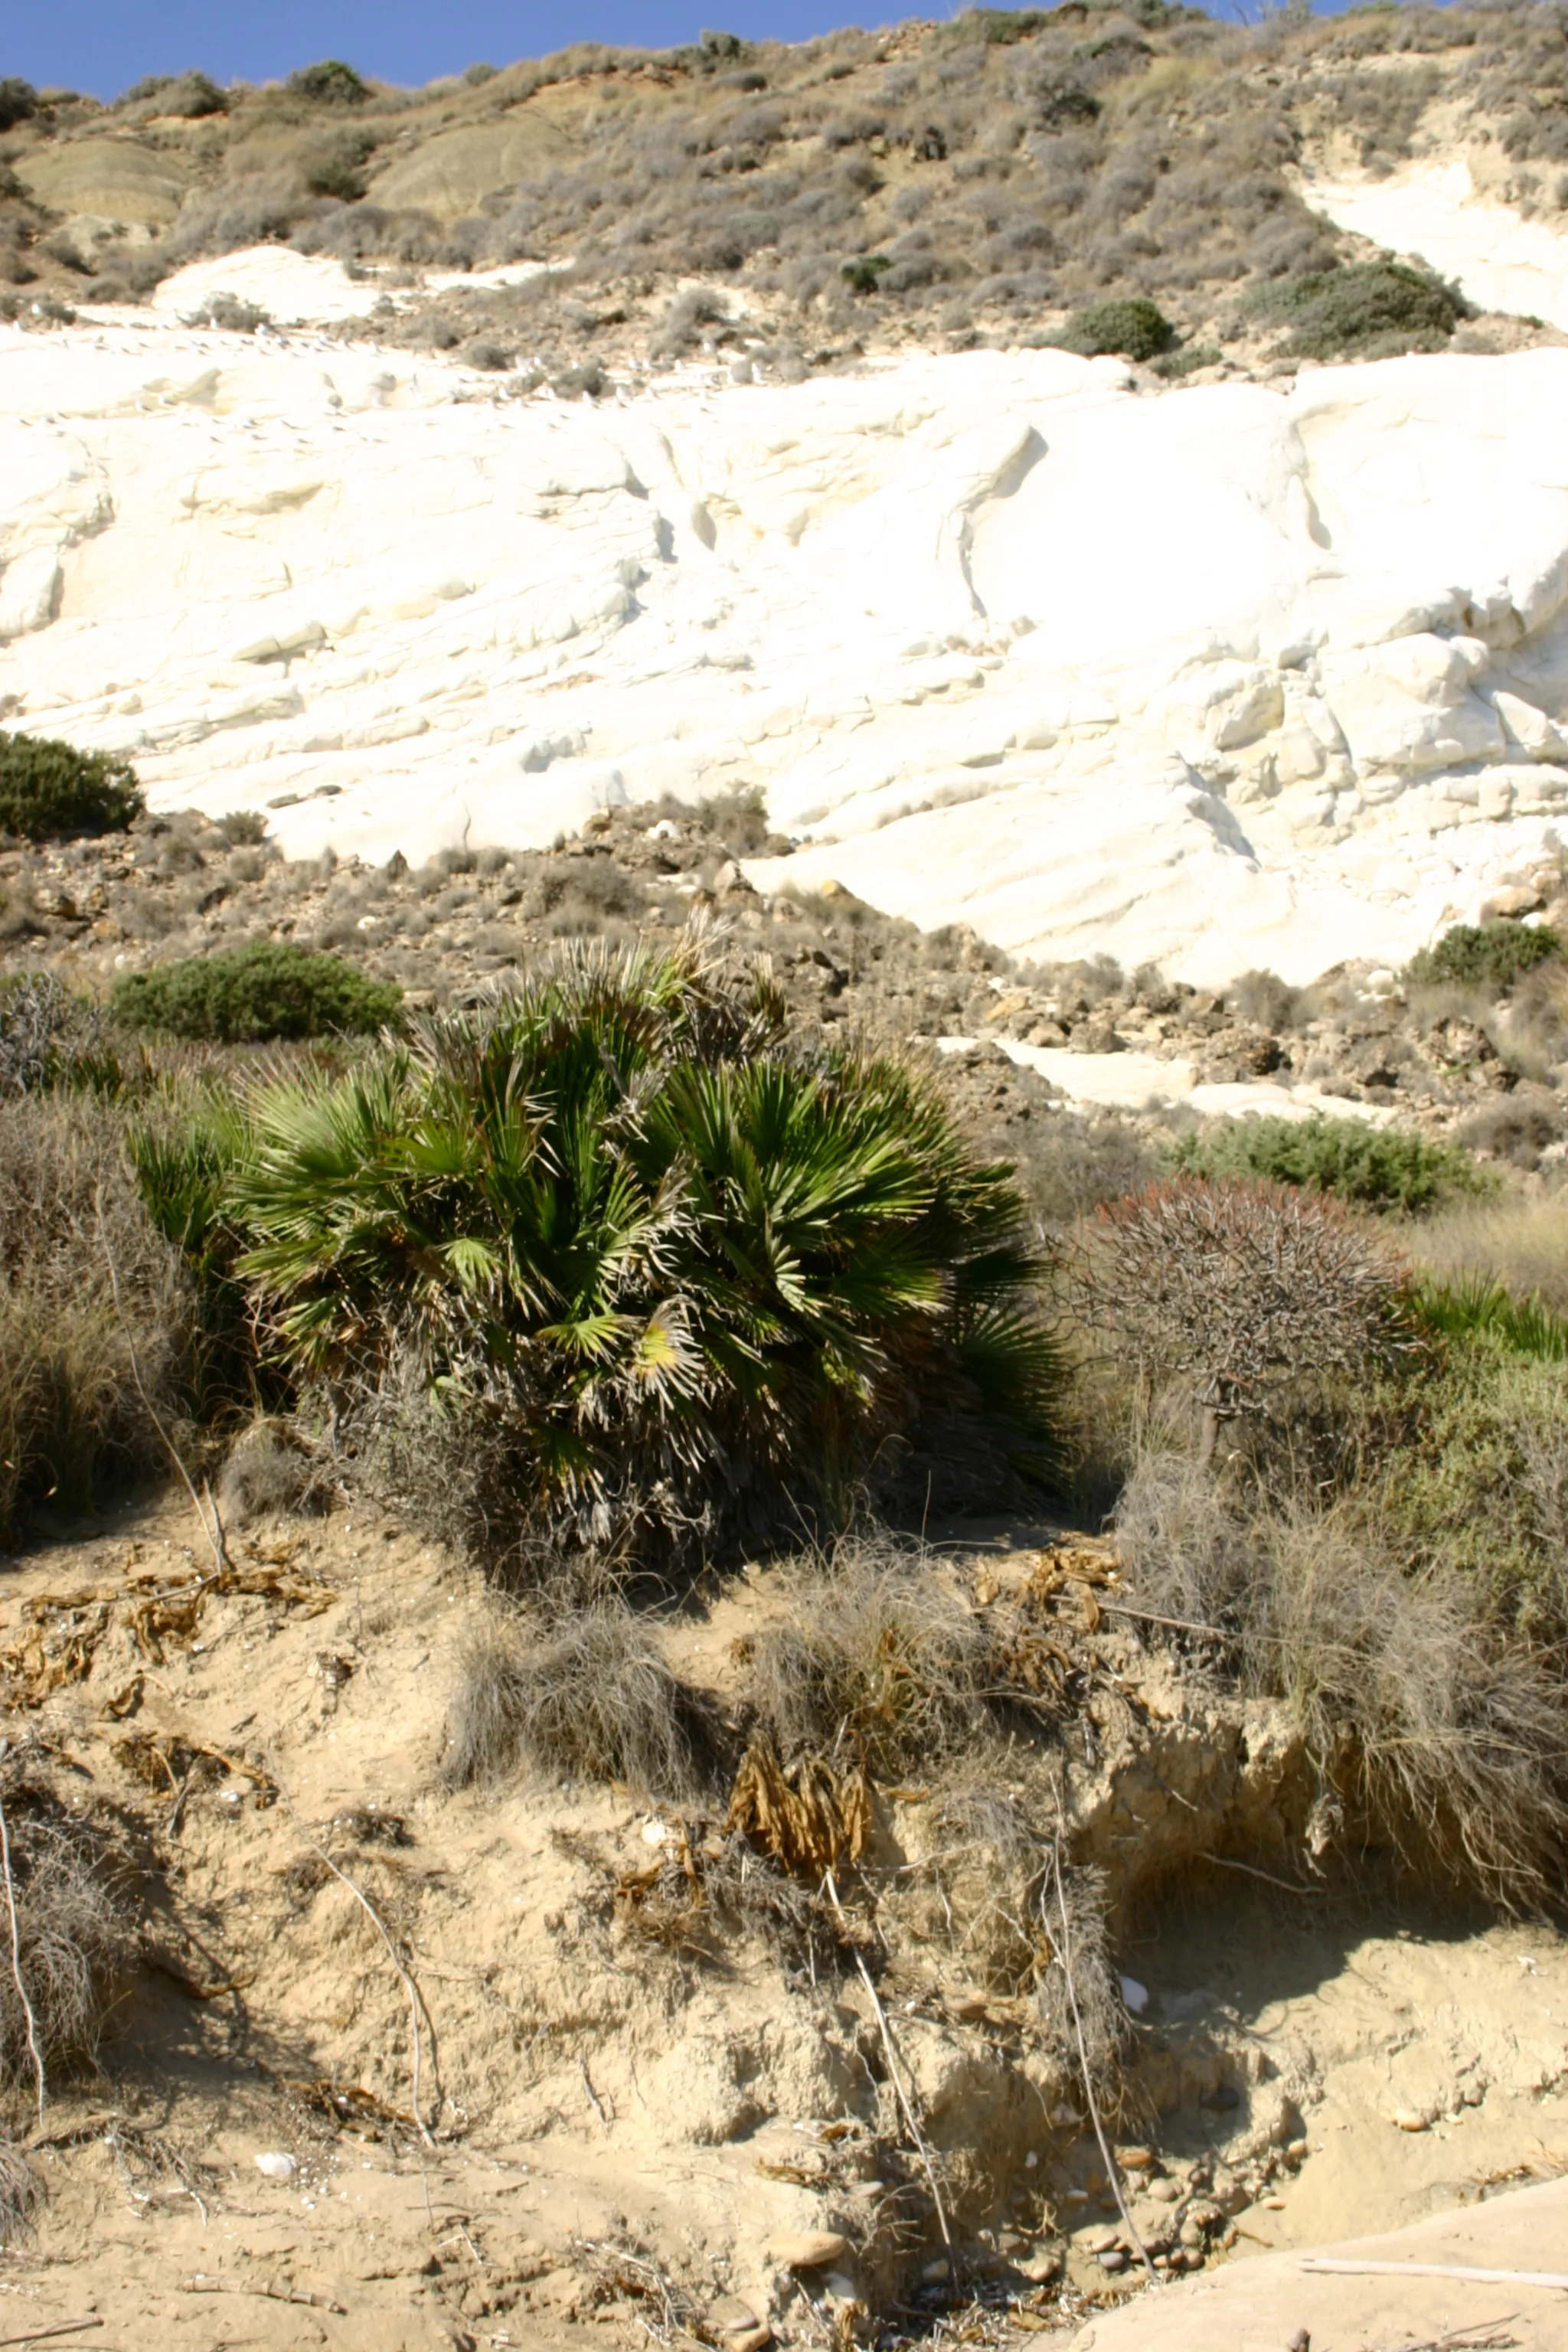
276, 2165
809, 2250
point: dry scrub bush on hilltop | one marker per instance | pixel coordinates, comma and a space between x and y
1006, 165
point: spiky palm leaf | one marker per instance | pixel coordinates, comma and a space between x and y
679, 1263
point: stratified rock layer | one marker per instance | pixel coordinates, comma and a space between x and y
1220, 676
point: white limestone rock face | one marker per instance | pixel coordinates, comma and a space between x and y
1434, 212
1218, 676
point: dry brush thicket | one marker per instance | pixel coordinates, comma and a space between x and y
988, 175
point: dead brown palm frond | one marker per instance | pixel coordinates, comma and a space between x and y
808, 1815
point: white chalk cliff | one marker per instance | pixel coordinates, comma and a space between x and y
1221, 676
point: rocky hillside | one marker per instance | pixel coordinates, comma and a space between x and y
1146, 1057
980, 178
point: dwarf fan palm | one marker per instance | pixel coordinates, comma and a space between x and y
675, 1268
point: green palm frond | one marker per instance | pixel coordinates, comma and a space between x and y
675, 1262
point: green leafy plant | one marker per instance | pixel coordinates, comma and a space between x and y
329, 83
1382, 1167
1484, 954
1476, 1306
273, 990
51, 791
682, 1277
1131, 328
1364, 309
183, 1147
862, 276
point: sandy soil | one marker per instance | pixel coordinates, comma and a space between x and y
622, 2139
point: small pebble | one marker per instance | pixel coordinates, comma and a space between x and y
1408, 2120
275, 2166
1114, 2260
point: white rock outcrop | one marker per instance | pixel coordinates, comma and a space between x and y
1218, 676
1434, 211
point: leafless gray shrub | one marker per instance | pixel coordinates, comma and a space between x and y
1245, 1286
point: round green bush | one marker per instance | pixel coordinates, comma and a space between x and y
329, 83
51, 791
272, 990
1369, 308
1378, 1167
1482, 954
1131, 328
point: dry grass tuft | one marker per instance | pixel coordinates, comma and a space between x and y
267, 1472
19, 2192
74, 1940
1433, 1723
69, 1412
877, 1654
587, 1696
1522, 1242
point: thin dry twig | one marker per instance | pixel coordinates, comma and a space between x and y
60, 2328
34, 2051
1470, 2339
415, 1999
1112, 2174
593, 2097
1250, 1870
894, 2068
274, 2290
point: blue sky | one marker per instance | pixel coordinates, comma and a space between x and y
103, 46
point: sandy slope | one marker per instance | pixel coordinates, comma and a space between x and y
597, 2102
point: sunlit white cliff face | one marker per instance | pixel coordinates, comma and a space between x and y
1219, 676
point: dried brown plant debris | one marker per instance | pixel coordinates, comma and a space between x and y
808, 1815
60, 1632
